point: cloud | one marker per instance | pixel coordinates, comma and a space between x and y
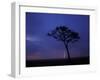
33, 39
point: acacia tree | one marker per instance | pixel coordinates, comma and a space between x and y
65, 35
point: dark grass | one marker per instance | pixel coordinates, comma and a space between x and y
57, 62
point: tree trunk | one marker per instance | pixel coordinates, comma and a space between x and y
66, 46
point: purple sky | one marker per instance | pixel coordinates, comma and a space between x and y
40, 46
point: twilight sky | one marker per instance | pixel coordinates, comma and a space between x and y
40, 46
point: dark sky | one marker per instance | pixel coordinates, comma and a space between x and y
40, 46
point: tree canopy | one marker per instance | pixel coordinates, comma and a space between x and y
63, 33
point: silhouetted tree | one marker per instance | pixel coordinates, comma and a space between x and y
65, 35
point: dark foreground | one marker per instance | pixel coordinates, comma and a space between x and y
57, 62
